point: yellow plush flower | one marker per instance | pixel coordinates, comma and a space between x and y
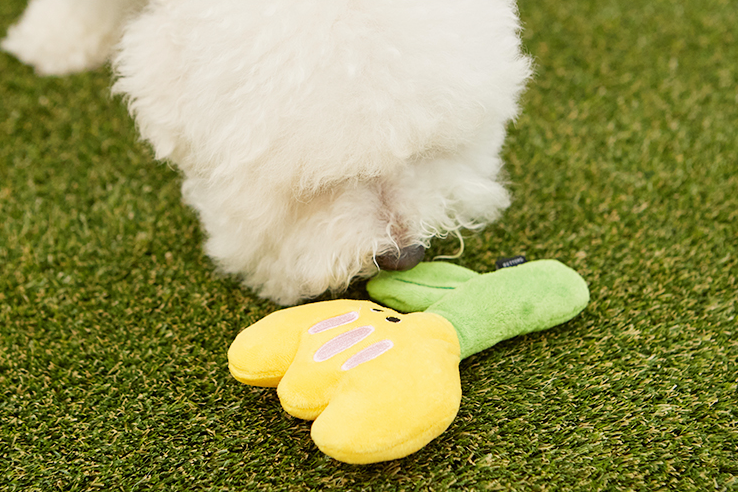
379, 384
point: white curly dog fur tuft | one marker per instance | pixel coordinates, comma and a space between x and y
313, 136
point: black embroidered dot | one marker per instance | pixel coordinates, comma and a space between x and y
392, 319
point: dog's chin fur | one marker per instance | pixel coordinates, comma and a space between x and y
314, 136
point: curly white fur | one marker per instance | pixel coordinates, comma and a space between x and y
314, 136
63, 36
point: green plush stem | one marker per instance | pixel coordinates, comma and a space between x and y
489, 308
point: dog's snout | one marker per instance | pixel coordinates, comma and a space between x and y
405, 259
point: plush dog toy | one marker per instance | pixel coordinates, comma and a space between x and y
379, 384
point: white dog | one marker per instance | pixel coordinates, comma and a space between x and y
319, 140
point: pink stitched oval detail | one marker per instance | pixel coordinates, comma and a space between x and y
342, 342
329, 323
371, 352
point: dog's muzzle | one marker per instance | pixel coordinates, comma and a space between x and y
405, 259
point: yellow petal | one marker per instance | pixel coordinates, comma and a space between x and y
380, 384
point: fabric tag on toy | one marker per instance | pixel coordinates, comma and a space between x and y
510, 262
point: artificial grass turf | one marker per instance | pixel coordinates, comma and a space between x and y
623, 165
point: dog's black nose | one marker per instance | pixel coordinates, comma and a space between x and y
407, 258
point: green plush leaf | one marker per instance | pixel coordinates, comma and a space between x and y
418, 288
